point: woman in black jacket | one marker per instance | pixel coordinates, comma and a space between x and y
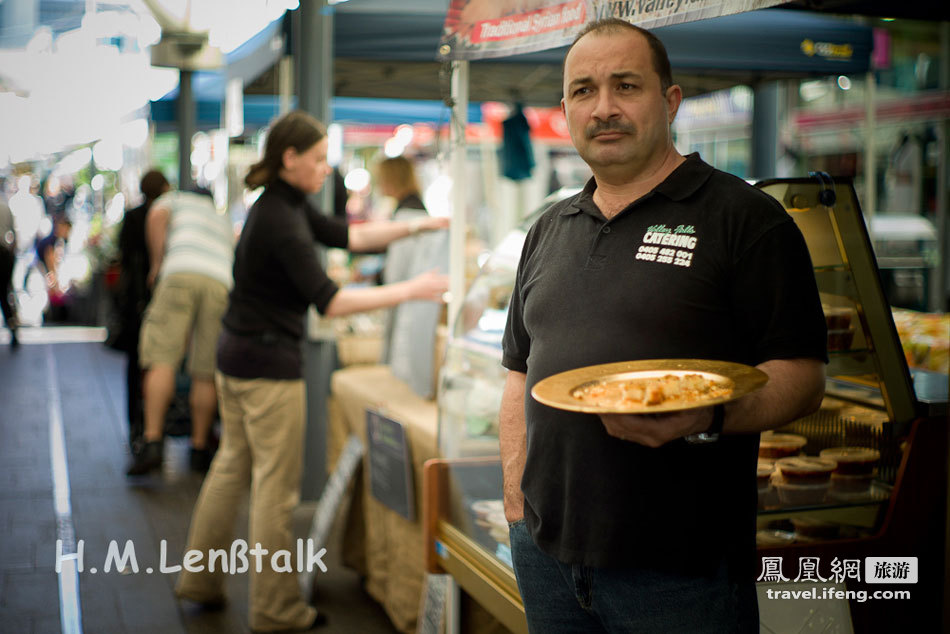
259, 378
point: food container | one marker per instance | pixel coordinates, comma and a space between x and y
805, 469
485, 508
773, 446
800, 494
771, 537
847, 486
840, 340
811, 528
763, 472
853, 460
837, 318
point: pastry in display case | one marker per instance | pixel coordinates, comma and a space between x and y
845, 480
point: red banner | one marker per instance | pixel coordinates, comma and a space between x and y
476, 29
529, 24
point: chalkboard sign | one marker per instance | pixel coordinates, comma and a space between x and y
330, 500
432, 612
390, 469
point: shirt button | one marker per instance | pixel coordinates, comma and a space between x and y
606, 229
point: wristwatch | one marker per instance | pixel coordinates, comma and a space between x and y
711, 434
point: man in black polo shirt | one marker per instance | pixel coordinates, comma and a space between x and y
646, 523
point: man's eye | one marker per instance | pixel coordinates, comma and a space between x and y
583, 90
627, 86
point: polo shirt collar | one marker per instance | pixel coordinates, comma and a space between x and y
682, 183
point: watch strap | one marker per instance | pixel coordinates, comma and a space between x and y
715, 428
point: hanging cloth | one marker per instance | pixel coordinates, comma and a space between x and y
516, 156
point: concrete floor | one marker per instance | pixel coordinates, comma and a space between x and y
68, 368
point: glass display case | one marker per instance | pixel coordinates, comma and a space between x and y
870, 409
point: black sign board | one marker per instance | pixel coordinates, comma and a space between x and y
432, 613
330, 500
390, 468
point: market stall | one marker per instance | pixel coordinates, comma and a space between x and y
893, 502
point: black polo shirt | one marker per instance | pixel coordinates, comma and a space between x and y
704, 266
276, 277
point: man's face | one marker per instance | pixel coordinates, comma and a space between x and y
615, 110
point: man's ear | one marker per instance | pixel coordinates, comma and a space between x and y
674, 97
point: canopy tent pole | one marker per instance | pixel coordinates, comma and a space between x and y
765, 115
941, 277
186, 128
870, 153
458, 149
314, 56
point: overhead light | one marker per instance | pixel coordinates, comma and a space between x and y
357, 179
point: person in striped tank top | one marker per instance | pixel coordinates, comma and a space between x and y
191, 250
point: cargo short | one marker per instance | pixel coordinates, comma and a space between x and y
186, 308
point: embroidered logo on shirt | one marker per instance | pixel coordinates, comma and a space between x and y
668, 246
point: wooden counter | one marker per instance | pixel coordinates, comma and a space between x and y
379, 543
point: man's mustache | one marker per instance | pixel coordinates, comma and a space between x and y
609, 126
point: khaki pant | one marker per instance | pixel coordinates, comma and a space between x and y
262, 437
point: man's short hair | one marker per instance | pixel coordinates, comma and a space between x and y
661, 60
153, 184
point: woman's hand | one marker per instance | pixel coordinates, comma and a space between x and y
434, 223
426, 223
429, 286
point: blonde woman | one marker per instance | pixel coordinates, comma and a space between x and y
397, 178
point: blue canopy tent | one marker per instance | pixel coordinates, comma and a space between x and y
258, 56
385, 69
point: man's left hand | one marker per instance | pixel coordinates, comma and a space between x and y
655, 430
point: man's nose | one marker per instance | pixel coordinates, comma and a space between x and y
606, 106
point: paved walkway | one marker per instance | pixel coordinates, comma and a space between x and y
64, 384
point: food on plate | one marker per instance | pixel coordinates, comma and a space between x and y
633, 393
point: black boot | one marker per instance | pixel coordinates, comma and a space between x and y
149, 458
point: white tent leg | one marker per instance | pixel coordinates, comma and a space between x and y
458, 161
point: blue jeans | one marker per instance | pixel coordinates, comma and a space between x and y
561, 597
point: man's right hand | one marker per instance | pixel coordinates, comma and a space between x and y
512, 438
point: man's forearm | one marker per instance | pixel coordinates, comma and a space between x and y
512, 437
794, 390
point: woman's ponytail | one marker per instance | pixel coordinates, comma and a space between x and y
258, 175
